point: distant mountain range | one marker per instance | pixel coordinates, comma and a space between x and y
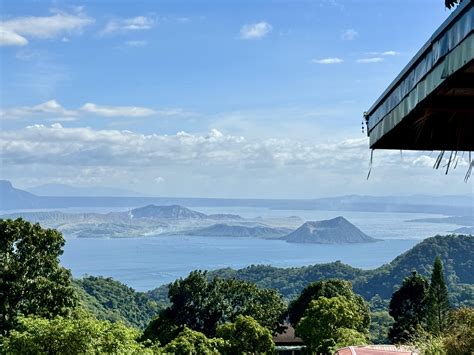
16, 199
459, 220
332, 231
177, 212
464, 230
142, 221
179, 220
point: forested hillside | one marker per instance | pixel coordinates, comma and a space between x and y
109, 299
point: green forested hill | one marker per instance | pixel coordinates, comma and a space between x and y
110, 299
456, 252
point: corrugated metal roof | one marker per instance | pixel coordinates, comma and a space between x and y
430, 105
447, 37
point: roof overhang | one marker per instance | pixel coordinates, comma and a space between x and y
430, 105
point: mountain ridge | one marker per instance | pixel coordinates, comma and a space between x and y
448, 205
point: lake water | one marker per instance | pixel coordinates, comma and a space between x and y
148, 262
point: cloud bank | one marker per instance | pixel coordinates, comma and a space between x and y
17, 31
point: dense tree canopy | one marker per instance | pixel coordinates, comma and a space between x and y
328, 289
202, 305
460, 332
408, 308
246, 335
111, 300
190, 341
31, 280
79, 334
331, 322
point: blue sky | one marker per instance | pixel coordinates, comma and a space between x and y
209, 98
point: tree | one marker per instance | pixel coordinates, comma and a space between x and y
246, 335
408, 308
108, 299
327, 288
192, 342
31, 280
331, 322
438, 300
460, 332
380, 323
79, 334
203, 305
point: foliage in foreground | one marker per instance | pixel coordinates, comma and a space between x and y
438, 300
246, 335
459, 338
408, 308
202, 305
31, 279
328, 289
190, 341
80, 334
329, 323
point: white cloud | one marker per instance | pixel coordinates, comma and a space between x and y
390, 53
255, 30
10, 38
349, 34
59, 145
386, 53
370, 60
215, 163
51, 107
114, 111
141, 43
129, 24
16, 31
328, 61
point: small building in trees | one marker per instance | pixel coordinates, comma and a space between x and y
287, 343
430, 104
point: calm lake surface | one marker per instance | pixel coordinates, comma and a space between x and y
148, 262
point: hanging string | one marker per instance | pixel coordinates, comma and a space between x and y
370, 164
469, 170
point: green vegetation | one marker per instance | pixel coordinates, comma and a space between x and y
460, 332
111, 300
408, 308
192, 342
246, 335
79, 334
328, 289
202, 305
456, 253
380, 323
438, 301
31, 280
329, 323
43, 311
